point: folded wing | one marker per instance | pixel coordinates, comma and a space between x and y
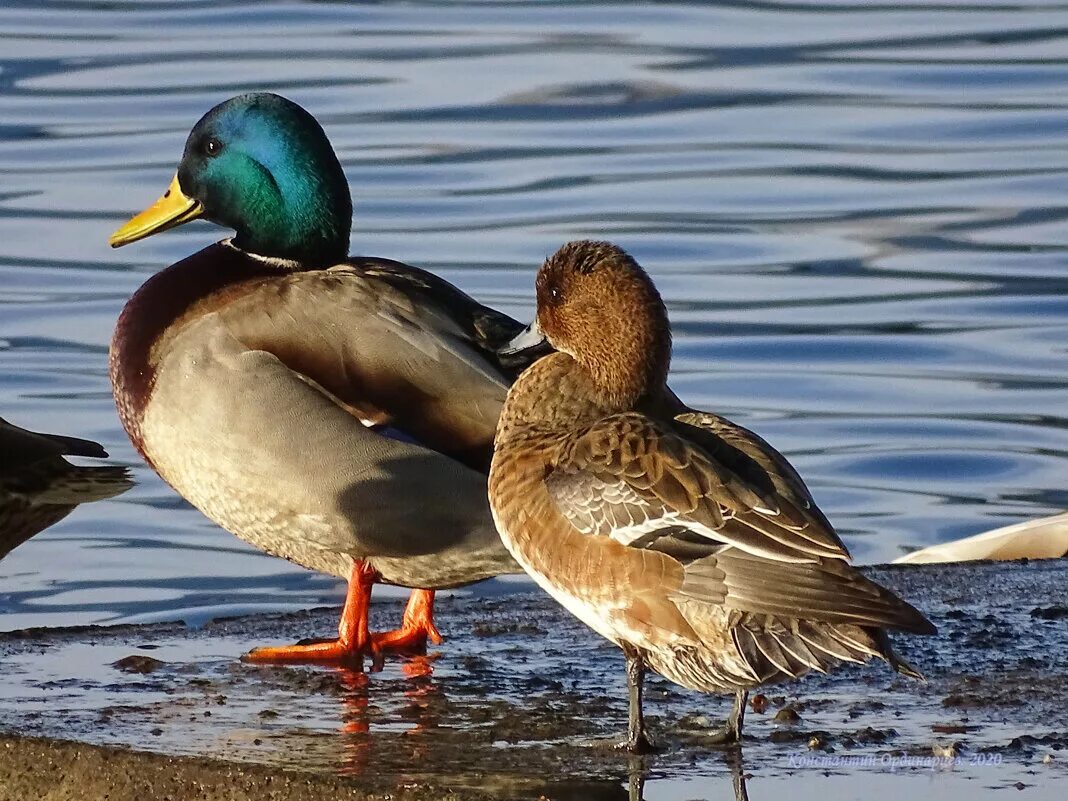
637, 481
745, 537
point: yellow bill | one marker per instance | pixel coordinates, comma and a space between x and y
171, 210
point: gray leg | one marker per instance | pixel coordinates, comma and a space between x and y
637, 742
734, 759
636, 768
738, 713
731, 733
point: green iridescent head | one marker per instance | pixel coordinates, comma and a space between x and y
262, 165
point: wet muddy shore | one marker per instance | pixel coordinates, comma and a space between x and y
523, 702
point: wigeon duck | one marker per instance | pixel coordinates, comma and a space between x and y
683, 538
335, 411
38, 487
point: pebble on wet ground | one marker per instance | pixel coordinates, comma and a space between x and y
138, 663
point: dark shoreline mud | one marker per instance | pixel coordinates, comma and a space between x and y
68, 771
522, 702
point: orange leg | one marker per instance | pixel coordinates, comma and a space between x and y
353, 637
416, 627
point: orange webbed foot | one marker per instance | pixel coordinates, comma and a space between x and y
405, 640
416, 628
328, 652
353, 641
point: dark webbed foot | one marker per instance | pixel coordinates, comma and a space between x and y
724, 736
638, 745
731, 733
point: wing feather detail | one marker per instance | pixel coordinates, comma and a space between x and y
629, 477
705, 505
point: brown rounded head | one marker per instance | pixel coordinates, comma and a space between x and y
599, 306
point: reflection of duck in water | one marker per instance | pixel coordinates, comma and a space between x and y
423, 702
38, 487
639, 770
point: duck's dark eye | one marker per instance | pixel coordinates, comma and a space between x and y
212, 147
554, 294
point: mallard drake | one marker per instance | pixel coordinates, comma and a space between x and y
38, 487
335, 411
680, 536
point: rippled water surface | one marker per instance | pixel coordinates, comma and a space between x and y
856, 212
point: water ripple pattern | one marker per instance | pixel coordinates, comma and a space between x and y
856, 212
